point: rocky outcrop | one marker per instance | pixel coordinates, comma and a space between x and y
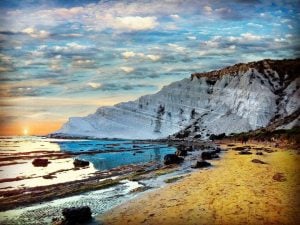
172, 159
235, 99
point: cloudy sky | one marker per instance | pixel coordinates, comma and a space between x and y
66, 58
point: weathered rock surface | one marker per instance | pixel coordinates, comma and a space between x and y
235, 99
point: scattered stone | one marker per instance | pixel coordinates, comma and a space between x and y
258, 161
268, 150
40, 162
181, 152
76, 215
209, 155
245, 152
80, 163
172, 159
49, 176
189, 148
240, 148
259, 153
201, 164
230, 145
279, 177
140, 189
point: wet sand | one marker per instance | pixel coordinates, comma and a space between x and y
235, 191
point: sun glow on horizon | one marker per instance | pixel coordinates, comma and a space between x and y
25, 131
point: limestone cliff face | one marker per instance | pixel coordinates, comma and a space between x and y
239, 98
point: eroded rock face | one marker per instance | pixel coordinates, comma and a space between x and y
235, 99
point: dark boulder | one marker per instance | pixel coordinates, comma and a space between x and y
40, 162
80, 163
259, 153
245, 152
209, 155
172, 159
201, 164
189, 148
181, 152
280, 177
217, 150
258, 161
76, 215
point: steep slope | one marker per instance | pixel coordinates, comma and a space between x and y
239, 98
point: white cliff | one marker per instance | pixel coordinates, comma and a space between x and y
235, 99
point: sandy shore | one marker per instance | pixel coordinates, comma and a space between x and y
234, 191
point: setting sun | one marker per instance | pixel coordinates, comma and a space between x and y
25, 131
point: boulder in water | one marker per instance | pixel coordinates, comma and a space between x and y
76, 215
172, 159
80, 163
40, 162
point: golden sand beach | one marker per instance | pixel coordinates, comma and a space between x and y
234, 191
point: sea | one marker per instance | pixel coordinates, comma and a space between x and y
17, 172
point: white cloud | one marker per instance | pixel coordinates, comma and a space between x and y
127, 69
94, 85
128, 55
153, 57
255, 25
36, 33
207, 9
176, 47
175, 16
135, 23
250, 37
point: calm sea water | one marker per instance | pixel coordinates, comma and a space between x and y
102, 155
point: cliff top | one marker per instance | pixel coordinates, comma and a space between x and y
282, 67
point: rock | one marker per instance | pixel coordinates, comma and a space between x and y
240, 148
189, 148
279, 177
258, 161
201, 164
49, 176
76, 215
181, 152
259, 153
209, 155
40, 162
217, 150
172, 159
80, 163
245, 152
268, 150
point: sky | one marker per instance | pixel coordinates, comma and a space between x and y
61, 59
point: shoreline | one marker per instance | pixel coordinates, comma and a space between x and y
236, 191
